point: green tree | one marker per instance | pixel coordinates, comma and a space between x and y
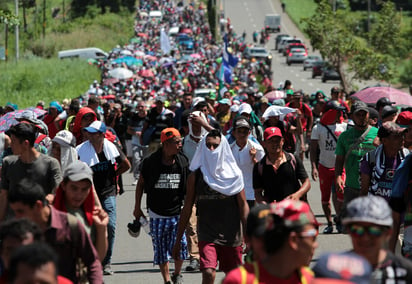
330, 32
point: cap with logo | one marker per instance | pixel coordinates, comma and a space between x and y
270, 132
96, 126
294, 213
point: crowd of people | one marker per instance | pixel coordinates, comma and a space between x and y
223, 174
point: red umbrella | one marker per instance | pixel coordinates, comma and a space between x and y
9, 119
147, 73
186, 31
373, 94
275, 95
142, 35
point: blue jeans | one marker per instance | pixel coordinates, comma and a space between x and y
109, 205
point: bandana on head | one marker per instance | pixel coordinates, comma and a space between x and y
219, 168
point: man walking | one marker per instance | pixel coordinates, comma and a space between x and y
217, 184
163, 179
352, 145
324, 138
107, 163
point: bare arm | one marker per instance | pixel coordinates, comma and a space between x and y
339, 163
185, 214
314, 144
259, 196
243, 209
304, 188
100, 221
123, 167
395, 231
138, 198
365, 181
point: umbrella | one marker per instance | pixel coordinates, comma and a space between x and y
147, 73
95, 91
164, 60
373, 94
142, 35
135, 40
110, 81
120, 73
139, 53
277, 111
196, 55
150, 57
275, 95
126, 52
9, 119
186, 31
128, 60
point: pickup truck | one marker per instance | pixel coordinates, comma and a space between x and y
272, 23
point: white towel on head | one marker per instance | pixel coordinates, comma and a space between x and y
88, 155
218, 167
203, 131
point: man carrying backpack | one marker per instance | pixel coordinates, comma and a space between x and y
378, 166
279, 175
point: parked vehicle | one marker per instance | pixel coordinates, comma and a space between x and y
317, 68
185, 42
272, 23
308, 63
278, 38
329, 73
155, 15
296, 55
84, 53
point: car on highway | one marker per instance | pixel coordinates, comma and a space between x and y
286, 41
259, 53
317, 68
296, 55
329, 73
279, 38
310, 61
293, 45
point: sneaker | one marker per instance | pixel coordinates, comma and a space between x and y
107, 270
328, 229
135, 182
177, 279
193, 265
339, 227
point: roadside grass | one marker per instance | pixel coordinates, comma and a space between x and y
298, 9
29, 81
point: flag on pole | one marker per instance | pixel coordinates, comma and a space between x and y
164, 42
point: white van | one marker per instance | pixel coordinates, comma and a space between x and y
84, 53
156, 15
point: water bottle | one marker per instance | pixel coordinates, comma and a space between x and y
144, 224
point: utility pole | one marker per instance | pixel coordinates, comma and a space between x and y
44, 19
16, 28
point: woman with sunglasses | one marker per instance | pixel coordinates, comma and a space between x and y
368, 221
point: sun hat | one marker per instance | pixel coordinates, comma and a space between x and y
169, 133
96, 126
77, 171
371, 209
270, 132
345, 266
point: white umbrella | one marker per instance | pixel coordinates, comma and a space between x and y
121, 73
95, 91
139, 53
126, 52
277, 111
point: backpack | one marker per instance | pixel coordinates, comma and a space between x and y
81, 268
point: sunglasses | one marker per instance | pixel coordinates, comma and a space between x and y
359, 231
312, 233
210, 145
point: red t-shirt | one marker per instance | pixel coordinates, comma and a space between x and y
263, 277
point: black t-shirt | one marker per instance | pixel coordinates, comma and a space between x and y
166, 196
159, 121
104, 176
280, 184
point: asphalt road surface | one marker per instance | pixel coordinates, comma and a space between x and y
132, 258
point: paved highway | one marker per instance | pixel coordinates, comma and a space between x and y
132, 258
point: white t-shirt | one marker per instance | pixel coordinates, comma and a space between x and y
245, 163
189, 147
327, 143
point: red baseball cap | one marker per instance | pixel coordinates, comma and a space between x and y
169, 133
270, 132
404, 119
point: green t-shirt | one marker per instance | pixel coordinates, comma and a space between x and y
345, 141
